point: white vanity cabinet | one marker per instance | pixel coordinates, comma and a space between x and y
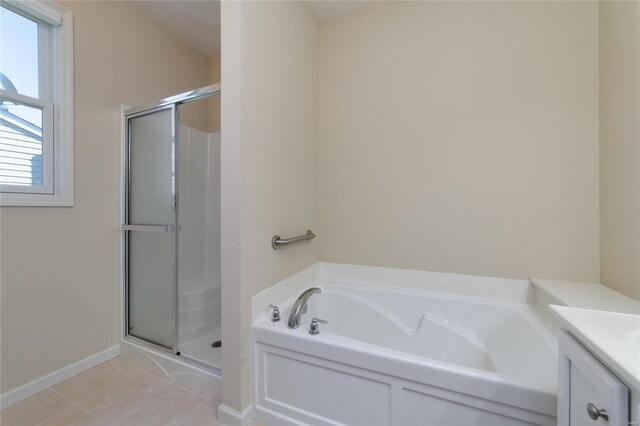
588, 393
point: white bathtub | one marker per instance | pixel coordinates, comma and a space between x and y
414, 355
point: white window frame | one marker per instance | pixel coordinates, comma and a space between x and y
56, 102
47, 149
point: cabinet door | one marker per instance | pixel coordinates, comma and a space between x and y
584, 380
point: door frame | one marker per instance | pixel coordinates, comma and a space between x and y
174, 223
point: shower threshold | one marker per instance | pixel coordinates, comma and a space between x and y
179, 369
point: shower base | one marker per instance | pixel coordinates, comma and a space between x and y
199, 348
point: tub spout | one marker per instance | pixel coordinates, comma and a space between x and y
300, 307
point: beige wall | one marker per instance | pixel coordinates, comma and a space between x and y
620, 146
458, 137
214, 102
196, 114
230, 187
279, 148
461, 137
204, 114
60, 266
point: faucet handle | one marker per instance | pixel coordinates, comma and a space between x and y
314, 328
275, 313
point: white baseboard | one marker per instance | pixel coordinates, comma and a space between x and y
230, 417
58, 376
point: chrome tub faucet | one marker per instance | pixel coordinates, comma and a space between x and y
300, 307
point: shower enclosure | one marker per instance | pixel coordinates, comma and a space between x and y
171, 227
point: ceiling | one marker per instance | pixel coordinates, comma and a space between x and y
197, 22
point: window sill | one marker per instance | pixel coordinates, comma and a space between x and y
35, 200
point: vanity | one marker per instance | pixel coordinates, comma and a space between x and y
598, 353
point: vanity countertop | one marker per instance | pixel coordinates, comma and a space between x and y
587, 296
613, 337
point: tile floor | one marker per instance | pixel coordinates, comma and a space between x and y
113, 393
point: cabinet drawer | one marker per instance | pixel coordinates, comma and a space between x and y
584, 382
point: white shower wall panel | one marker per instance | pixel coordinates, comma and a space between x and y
199, 235
193, 174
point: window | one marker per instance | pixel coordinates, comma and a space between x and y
36, 98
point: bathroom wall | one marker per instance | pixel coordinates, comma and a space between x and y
196, 115
214, 102
270, 156
230, 199
60, 266
461, 137
620, 146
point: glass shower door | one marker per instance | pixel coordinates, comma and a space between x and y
150, 227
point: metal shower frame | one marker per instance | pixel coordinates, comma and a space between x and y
172, 103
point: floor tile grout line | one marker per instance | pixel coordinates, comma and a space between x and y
105, 389
26, 399
202, 400
195, 393
89, 394
143, 371
202, 403
177, 386
172, 383
86, 410
132, 410
85, 396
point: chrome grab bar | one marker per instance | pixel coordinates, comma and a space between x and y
277, 242
156, 228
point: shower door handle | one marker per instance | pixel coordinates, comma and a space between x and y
155, 228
